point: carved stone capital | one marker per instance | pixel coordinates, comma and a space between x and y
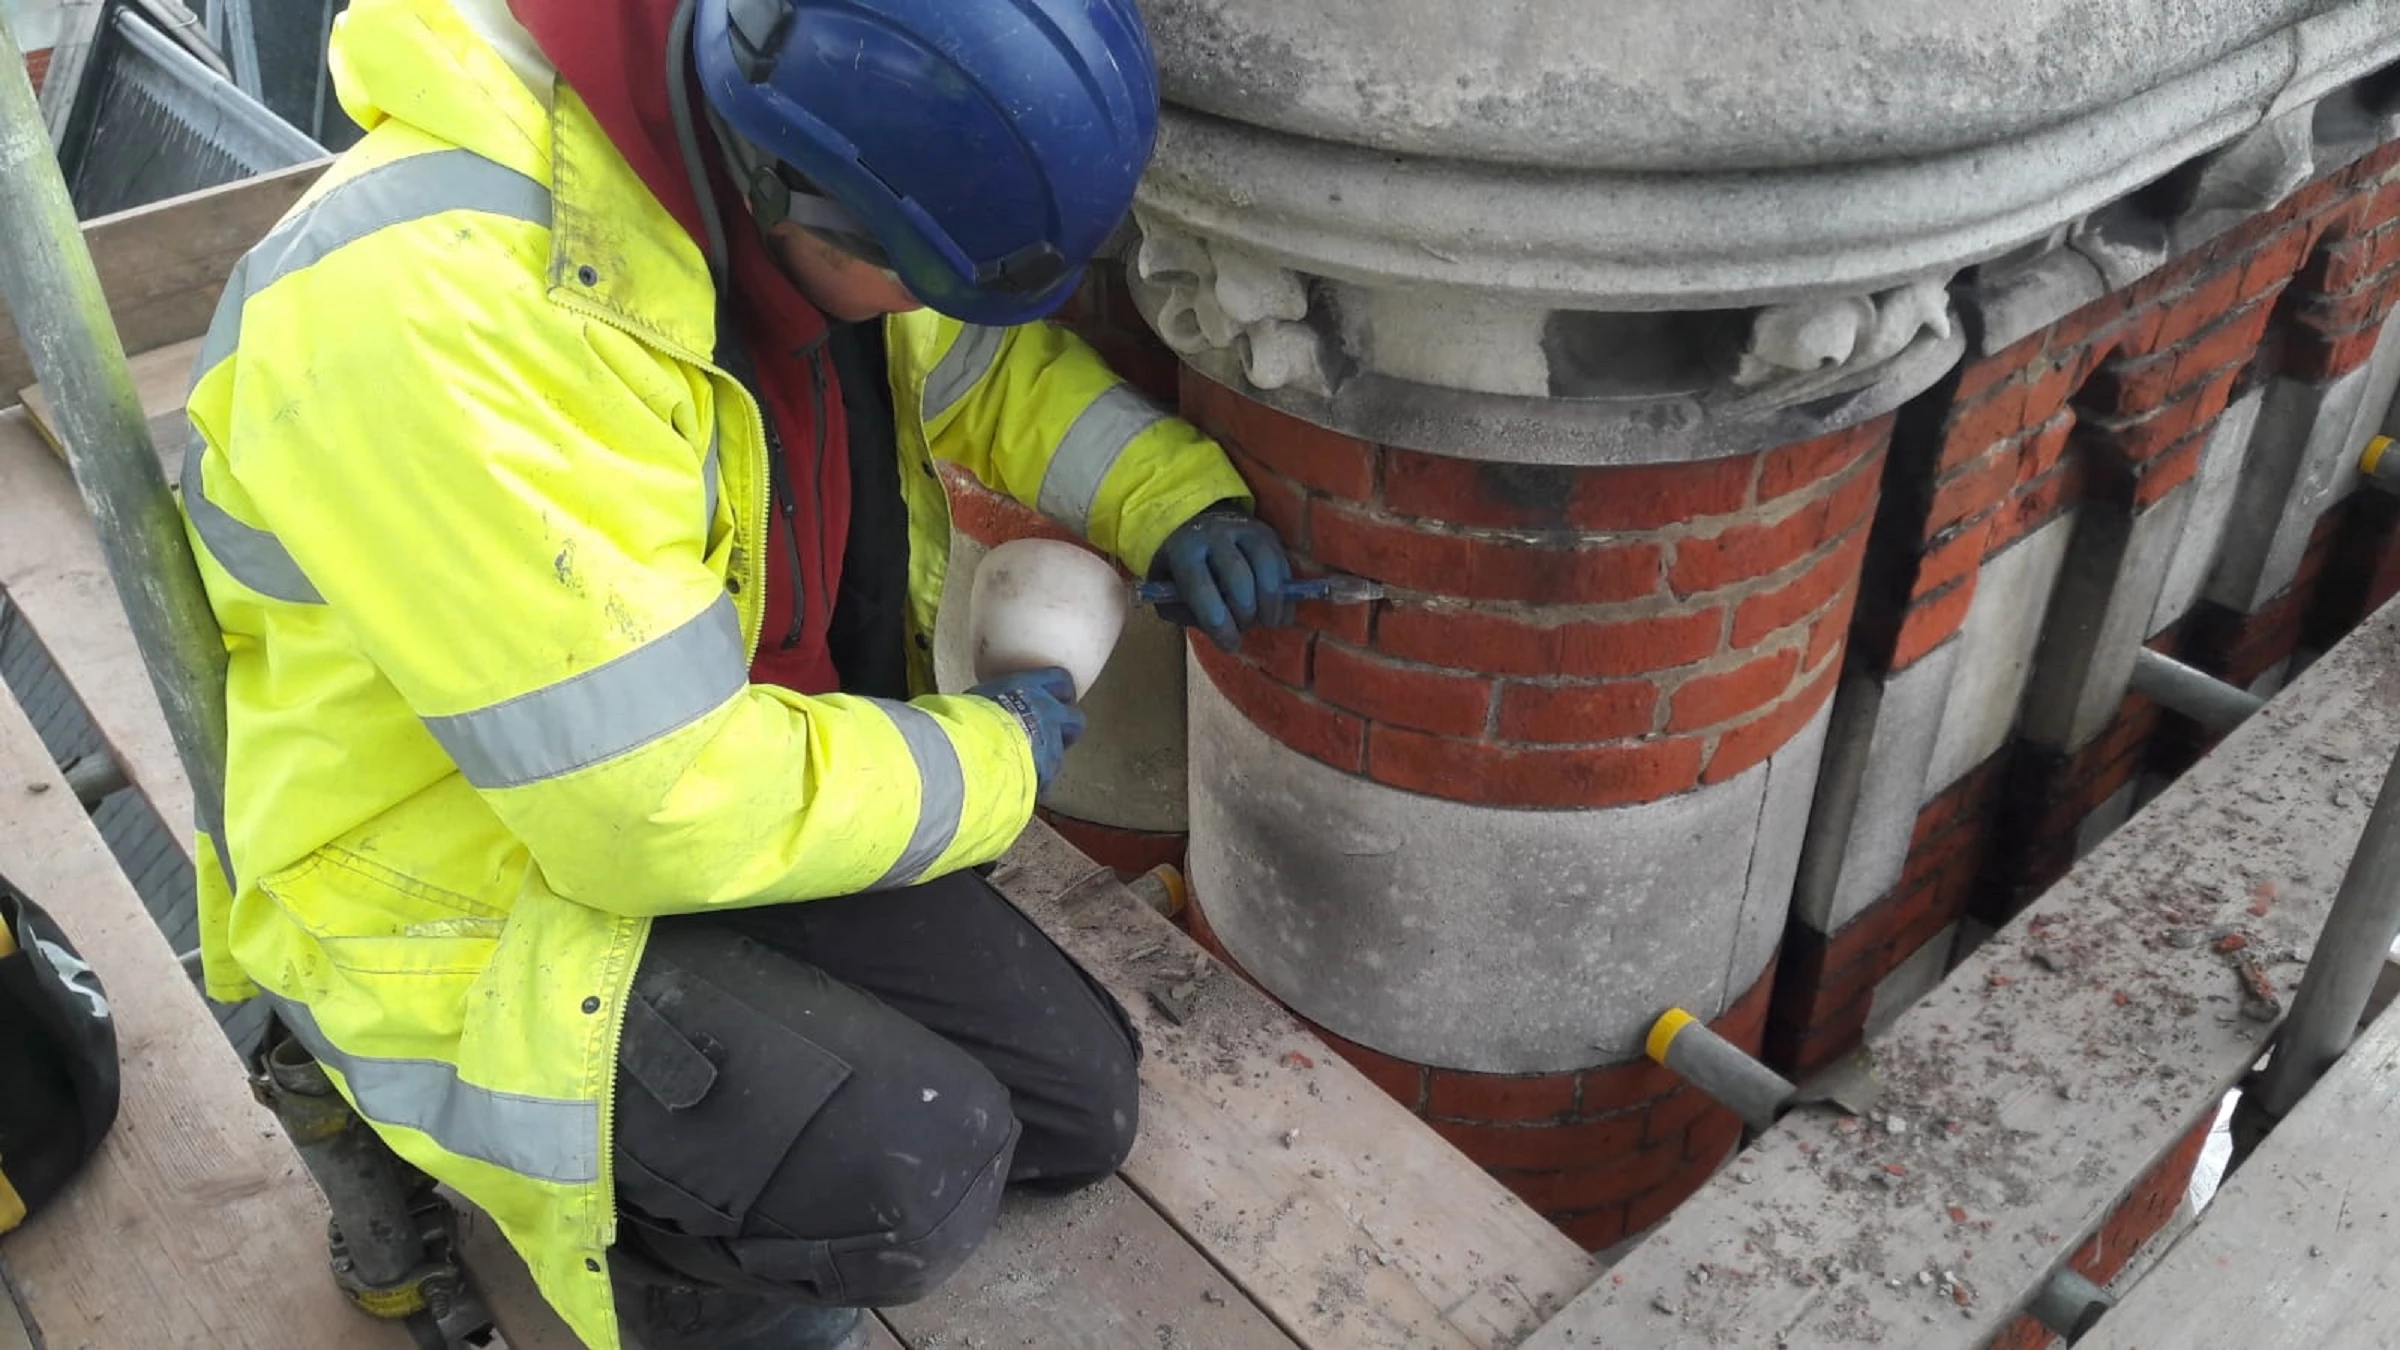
1480, 376
1205, 299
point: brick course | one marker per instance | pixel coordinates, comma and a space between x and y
2113, 403
2116, 399
1555, 636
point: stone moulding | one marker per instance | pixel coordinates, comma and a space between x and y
1705, 85
1572, 313
2200, 199
1542, 386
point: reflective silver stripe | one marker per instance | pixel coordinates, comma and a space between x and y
614, 707
708, 486
1089, 450
943, 800
249, 555
968, 360
389, 194
551, 1138
225, 323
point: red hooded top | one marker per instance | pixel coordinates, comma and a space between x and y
614, 54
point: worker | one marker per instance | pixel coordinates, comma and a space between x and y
563, 481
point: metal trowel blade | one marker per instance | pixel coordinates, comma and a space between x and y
1849, 1085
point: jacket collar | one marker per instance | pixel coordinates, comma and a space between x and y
466, 74
615, 248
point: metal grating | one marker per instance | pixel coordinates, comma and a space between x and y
277, 51
152, 121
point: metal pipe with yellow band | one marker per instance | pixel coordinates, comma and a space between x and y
1718, 1067
2381, 467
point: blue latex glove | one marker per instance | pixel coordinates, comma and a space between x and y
1044, 703
1231, 569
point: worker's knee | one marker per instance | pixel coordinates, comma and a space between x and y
859, 1163
1087, 1129
923, 1247
888, 1194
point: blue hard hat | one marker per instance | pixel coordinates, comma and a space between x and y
983, 150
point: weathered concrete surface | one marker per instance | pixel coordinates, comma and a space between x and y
1878, 745
1128, 770
2213, 487
2012, 300
2352, 121
2108, 987
2303, 458
1997, 644
1483, 938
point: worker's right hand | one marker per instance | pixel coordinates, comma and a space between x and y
1044, 703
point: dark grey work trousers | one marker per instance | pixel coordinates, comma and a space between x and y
822, 1101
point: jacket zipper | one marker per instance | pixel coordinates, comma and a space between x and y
749, 561
788, 510
817, 388
788, 506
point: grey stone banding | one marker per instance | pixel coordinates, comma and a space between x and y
2203, 533
1484, 938
2302, 458
1883, 732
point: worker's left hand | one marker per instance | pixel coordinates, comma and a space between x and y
1043, 702
1231, 569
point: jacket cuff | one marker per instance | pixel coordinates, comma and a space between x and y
996, 756
1147, 531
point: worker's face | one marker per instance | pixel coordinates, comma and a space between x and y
847, 289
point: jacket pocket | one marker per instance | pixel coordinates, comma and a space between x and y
370, 919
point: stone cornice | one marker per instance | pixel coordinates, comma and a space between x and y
1697, 86
1592, 314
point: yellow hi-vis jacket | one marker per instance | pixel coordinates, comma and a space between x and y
484, 526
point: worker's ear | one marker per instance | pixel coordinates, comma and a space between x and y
58, 1079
